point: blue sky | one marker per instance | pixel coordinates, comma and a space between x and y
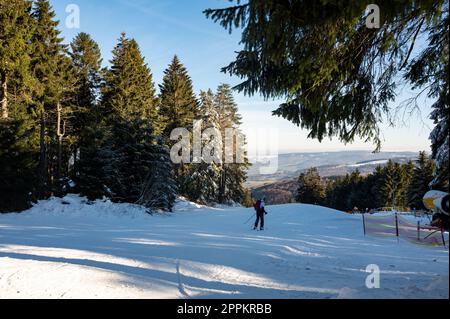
167, 27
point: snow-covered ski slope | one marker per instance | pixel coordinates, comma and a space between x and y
65, 248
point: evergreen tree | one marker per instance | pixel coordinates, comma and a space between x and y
51, 68
136, 168
377, 180
16, 28
86, 64
430, 69
321, 56
422, 177
128, 158
355, 197
91, 178
407, 173
128, 90
390, 188
204, 173
232, 175
18, 139
395, 184
178, 104
128, 111
159, 190
17, 166
178, 109
311, 189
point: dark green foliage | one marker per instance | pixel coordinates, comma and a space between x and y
430, 70
86, 119
16, 29
136, 168
91, 178
50, 64
159, 189
128, 90
129, 158
178, 109
395, 185
86, 64
51, 68
178, 104
232, 175
311, 189
218, 181
64, 118
18, 161
203, 177
18, 140
421, 180
336, 75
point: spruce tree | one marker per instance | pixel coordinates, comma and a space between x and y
233, 175
311, 189
336, 74
88, 120
128, 89
178, 109
91, 178
128, 110
137, 168
178, 104
51, 68
18, 139
395, 184
204, 172
18, 163
407, 173
16, 29
430, 70
420, 183
86, 64
159, 189
128, 154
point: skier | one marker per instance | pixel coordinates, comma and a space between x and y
260, 212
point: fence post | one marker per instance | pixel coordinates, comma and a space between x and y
396, 223
364, 224
443, 238
418, 230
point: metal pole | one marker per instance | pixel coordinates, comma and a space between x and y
364, 224
418, 230
248, 219
396, 223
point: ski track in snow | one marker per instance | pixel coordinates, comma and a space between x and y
105, 250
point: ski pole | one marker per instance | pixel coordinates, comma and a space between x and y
248, 219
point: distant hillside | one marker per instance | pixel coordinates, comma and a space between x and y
277, 193
329, 164
280, 188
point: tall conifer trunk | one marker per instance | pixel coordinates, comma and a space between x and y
42, 158
5, 110
60, 132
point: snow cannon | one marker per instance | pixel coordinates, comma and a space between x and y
437, 200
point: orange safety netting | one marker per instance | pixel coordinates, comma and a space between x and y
395, 225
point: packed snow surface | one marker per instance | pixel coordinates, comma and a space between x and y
69, 248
